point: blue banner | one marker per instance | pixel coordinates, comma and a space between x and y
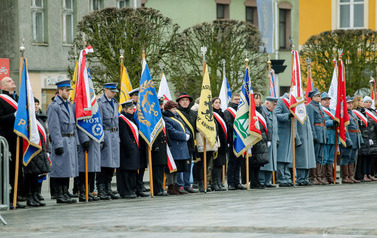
266, 23
148, 113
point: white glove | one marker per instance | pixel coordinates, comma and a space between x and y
187, 137
200, 148
371, 142
249, 151
268, 143
15, 113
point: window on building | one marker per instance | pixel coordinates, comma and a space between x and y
284, 25
252, 15
123, 3
68, 21
222, 11
351, 13
96, 5
39, 20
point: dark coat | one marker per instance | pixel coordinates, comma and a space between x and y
259, 150
129, 150
40, 163
221, 155
365, 148
191, 116
229, 120
7, 119
176, 137
372, 130
159, 154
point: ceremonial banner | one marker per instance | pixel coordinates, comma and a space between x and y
125, 87
163, 90
333, 90
296, 96
88, 118
225, 94
245, 134
341, 112
148, 112
373, 92
273, 84
266, 23
205, 122
309, 87
25, 124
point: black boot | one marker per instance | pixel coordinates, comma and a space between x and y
111, 193
30, 201
60, 198
94, 198
101, 192
39, 192
53, 186
67, 195
82, 195
36, 198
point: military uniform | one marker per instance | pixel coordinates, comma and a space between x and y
318, 125
110, 152
64, 141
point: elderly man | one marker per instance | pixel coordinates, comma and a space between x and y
110, 151
265, 174
64, 141
8, 107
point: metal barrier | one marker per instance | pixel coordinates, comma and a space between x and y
4, 176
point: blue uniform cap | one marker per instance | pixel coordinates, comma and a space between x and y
324, 95
64, 84
271, 99
313, 92
111, 86
349, 99
134, 91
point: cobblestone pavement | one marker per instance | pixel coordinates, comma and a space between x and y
315, 211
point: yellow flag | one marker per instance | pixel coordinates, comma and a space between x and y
72, 95
205, 122
125, 87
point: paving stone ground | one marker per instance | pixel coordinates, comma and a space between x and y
314, 211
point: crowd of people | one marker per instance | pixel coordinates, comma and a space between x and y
123, 153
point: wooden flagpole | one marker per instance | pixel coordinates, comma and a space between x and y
247, 152
86, 177
293, 131
204, 50
150, 170
336, 152
17, 165
269, 71
223, 173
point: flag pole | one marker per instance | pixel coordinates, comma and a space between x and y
293, 130
223, 172
149, 157
86, 178
336, 147
269, 72
204, 50
247, 152
15, 188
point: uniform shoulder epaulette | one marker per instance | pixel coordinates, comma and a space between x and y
99, 100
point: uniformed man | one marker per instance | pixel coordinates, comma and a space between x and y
318, 124
64, 141
329, 149
134, 94
265, 173
285, 155
8, 107
129, 152
110, 150
354, 141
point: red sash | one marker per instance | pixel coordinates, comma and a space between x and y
328, 112
222, 123
133, 127
361, 117
262, 120
232, 111
285, 101
171, 164
9, 100
371, 115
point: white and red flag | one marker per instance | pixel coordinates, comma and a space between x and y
296, 96
333, 90
373, 91
309, 87
341, 112
163, 90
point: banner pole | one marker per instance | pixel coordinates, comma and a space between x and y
293, 127
336, 152
86, 177
205, 163
150, 170
247, 171
15, 188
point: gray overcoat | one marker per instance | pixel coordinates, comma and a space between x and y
272, 127
305, 156
61, 122
94, 153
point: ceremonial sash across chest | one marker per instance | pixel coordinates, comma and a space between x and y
180, 123
262, 120
187, 123
9, 100
171, 164
328, 113
133, 127
350, 115
323, 118
222, 123
232, 111
41, 130
285, 101
361, 117
371, 115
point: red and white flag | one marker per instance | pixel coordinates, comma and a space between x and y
296, 96
309, 87
341, 112
163, 90
333, 90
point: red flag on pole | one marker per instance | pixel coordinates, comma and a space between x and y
341, 112
309, 86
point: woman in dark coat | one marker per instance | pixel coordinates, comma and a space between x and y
177, 137
129, 152
220, 160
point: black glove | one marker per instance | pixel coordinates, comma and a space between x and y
336, 123
86, 145
102, 145
277, 144
315, 140
59, 151
291, 115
